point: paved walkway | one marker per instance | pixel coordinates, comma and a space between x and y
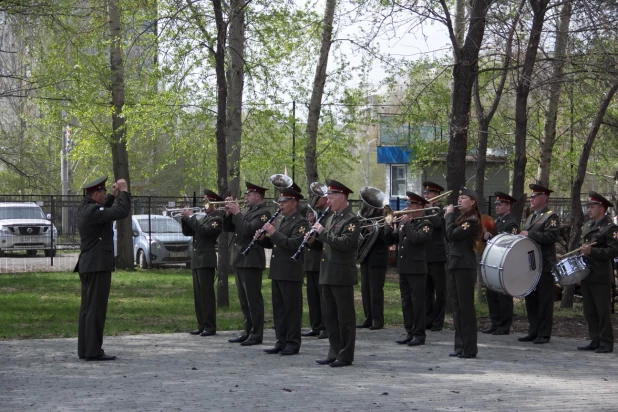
182, 372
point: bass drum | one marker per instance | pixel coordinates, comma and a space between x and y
511, 265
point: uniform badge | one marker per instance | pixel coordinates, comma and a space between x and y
301, 229
425, 229
553, 223
465, 225
215, 224
351, 227
264, 218
514, 231
615, 235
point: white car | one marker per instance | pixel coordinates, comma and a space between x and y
24, 226
164, 245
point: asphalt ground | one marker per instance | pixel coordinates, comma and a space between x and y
183, 372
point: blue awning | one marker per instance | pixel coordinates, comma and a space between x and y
394, 154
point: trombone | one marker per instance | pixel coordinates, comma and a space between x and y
439, 197
391, 217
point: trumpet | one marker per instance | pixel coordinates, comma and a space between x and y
391, 217
178, 211
207, 203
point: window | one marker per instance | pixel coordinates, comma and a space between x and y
398, 180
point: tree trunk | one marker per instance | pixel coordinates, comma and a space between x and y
555, 88
315, 105
575, 204
120, 158
539, 7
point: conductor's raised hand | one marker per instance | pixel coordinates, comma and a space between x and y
121, 185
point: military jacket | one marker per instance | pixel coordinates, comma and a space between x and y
461, 239
205, 231
413, 238
544, 230
94, 222
605, 234
244, 225
340, 238
289, 234
313, 252
507, 224
436, 250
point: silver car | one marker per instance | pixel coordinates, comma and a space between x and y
164, 244
24, 226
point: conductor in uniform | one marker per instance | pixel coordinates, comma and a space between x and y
284, 238
338, 275
596, 287
542, 226
95, 264
412, 237
501, 305
248, 268
205, 231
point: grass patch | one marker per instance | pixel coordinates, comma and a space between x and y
44, 305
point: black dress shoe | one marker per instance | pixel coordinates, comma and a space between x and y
500, 332
273, 351
527, 338
239, 339
403, 341
104, 357
362, 326
590, 346
311, 333
251, 342
373, 327
288, 352
436, 328
490, 329
416, 342
453, 354
208, 333
601, 349
196, 332
323, 335
428, 326
540, 340
471, 356
339, 364
324, 361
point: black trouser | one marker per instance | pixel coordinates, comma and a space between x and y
249, 287
540, 307
92, 313
597, 310
500, 310
340, 320
372, 291
287, 299
205, 299
313, 299
464, 313
412, 288
435, 298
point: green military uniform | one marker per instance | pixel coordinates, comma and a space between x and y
461, 237
596, 287
249, 268
543, 227
412, 239
312, 259
338, 275
96, 264
205, 231
500, 305
287, 280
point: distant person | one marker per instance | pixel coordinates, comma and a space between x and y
96, 261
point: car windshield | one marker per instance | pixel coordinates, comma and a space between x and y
160, 225
21, 213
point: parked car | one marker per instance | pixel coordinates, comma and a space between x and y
24, 226
163, 245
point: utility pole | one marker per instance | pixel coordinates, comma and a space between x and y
64, 177
293, 140
367, 168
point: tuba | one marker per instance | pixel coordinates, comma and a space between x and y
280, 181
316, 191
373, 201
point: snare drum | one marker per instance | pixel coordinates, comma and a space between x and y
571, 270
511, 265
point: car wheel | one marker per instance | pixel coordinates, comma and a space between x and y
50, 253
31, 252
141, 259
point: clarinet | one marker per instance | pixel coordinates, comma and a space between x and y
260, 233
309, 234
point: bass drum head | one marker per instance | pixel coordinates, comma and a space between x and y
522, 267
